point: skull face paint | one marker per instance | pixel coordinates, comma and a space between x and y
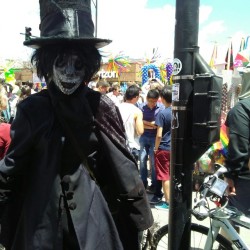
68, 72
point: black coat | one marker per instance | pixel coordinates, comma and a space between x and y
47, 195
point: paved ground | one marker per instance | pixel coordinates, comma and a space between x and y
161, 218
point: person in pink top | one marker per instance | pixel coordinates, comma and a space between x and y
4, 127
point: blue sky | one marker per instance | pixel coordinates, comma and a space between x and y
135, 26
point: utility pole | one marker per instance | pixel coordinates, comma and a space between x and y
96, 14
195, 118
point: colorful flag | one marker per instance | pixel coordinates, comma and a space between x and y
242, 44
222, 144
229, 59
246, 43
243, 57
213, 57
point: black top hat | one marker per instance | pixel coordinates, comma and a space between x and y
65, 21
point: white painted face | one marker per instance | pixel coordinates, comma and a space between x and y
68, 72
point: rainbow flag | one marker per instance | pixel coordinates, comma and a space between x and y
222, 144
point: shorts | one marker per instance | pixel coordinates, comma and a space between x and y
162, 165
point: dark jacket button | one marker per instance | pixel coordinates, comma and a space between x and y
66, 179
140, 193
69, 195
65, 186
65, 182
72, 206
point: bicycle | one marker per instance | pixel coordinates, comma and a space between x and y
208, 238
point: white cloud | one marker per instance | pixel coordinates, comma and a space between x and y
14, 16
204, 13
135, 29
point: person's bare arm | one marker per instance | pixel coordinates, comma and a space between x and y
231, 188
158, 137
139, 128
149, 125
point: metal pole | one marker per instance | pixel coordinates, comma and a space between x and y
182, 157
96, 19
193, 130
96, 7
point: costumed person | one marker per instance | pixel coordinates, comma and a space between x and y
68, 181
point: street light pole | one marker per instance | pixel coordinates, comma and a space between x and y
96, 20
96, 10
195, 118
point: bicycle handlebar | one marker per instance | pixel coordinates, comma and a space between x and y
221, 170
208, 183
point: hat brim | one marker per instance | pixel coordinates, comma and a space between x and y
37, 43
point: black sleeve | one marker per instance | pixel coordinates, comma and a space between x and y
17, 156
238, 148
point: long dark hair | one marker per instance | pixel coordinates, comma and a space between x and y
44, 57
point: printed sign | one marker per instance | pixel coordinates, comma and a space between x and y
177, 66
175, 92
107, 74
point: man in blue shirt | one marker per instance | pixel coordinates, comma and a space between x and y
150, 109
162, 145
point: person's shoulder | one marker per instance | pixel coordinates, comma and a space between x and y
106, 108
35, 102
241, 111
242, 104
124, 105
129, 107
160, 105
166, 112
162, 112
109, 94
106, 102
142, 105
245, 102
4, 126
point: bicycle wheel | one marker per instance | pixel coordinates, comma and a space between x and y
198, 239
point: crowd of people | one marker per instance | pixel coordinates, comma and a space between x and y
77, 160
10, 95
156, 126
146, 115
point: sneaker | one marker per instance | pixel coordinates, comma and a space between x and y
162, 206
150, 189
155, 200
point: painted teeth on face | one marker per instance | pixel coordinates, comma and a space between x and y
67, 76
60, 84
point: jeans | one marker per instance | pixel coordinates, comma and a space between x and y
147, 144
